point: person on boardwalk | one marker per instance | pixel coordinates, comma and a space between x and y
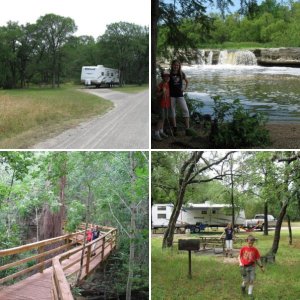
229, 237
177, 77
163, 94
89, 235
96, 234
248, 257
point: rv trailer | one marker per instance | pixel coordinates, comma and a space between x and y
201, 215
99, 75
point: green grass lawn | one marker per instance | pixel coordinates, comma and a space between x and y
214, 277
28, 116
132, 88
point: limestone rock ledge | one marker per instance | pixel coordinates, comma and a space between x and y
289, 57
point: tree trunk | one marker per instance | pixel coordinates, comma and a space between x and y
276, 240
154, 32
290, 230
131, 252
266, 223
232, 196
87, 215
169, 233
37, 224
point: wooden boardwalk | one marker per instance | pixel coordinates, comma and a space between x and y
46, 285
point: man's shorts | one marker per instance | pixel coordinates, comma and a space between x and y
248, 273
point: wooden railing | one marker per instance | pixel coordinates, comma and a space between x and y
102, 247
61, 289
41, 258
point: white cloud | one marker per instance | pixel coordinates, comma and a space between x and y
91, 16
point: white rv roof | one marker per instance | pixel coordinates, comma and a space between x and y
207, 204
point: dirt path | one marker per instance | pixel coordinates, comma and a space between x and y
126, 126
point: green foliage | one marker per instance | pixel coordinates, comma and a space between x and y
47, 53
75, 215
235, 127
267, 24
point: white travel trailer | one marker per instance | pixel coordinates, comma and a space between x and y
207, 214
99, 75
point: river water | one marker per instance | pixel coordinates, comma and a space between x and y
272, 90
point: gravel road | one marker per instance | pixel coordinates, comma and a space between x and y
126, 126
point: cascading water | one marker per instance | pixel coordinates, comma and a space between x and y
242, 57
225, 57
204, 57
209, 58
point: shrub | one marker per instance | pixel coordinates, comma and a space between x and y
235, 127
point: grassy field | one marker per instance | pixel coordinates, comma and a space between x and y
31, 115
218, 278
132, 89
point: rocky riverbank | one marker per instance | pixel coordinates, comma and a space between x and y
289, 57
282, 136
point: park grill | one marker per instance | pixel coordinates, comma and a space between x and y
189, 245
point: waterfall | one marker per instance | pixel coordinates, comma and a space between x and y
209, 58
241, 57
201, 57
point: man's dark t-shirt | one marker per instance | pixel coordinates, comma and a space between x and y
176, 84
96, 234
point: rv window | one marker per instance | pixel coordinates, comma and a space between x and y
102, 73
111, 74
161, 216
214, 211
161, 207
204, 212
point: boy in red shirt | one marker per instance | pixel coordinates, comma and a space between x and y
163, 94
249, 256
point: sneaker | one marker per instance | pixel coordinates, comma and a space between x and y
163, 135
156, 137
243, 288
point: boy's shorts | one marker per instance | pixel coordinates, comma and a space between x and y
164, 113
248, 273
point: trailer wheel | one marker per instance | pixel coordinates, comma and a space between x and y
196, 230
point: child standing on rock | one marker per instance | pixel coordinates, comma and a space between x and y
249, 256
163, 94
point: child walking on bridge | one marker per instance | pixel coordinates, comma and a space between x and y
249, 256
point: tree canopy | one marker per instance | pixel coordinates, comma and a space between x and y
47, 52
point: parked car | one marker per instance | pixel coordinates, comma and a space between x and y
259, 220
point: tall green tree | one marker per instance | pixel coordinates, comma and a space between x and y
53, 32
125, 46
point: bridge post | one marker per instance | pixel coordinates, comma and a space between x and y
103, 248
41, 259
87, 267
